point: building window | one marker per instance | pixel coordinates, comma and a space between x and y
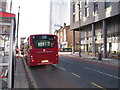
107, 3
61, 34
64, 31
74, 18
73, 7
86, 11
86, 8
61, 40
95, 7
86, 2
64, 35
79, 9
80, 4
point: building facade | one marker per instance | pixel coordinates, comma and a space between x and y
59, 13
65, 37
99, 25
3, 5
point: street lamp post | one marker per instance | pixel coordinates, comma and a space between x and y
10, 6
18, 24
79, 31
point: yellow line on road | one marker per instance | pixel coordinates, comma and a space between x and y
98, 86
76, 75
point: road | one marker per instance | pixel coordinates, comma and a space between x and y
74, 72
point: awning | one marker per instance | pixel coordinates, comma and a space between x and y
7, 15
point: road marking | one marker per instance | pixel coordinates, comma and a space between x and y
34, 83
97, 85
62, 68
103, 73
54, 65
75, 75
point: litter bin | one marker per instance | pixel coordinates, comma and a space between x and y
100, 56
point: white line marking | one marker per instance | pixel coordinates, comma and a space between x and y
30, 75
54, 65
62, 68
97, 85
103, 73
75, 75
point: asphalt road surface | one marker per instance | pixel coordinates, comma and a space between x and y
73, 72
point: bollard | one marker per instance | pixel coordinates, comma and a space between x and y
99, 56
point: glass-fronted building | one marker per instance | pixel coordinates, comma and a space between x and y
99, 26
59, 14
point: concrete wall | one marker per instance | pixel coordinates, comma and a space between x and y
103, 13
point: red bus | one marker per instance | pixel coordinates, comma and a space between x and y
42, 49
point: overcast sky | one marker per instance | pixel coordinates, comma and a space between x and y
34, 16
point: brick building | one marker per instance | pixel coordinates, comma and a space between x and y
65, 37
22, 42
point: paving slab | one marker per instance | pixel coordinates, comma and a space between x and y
21, 80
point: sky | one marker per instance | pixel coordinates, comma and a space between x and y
34, 16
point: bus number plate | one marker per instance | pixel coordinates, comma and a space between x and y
44, 61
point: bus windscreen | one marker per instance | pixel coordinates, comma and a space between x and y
44, 41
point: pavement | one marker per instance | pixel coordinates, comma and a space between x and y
23, 80
3, 61
114, 62
23, 76
20, 80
